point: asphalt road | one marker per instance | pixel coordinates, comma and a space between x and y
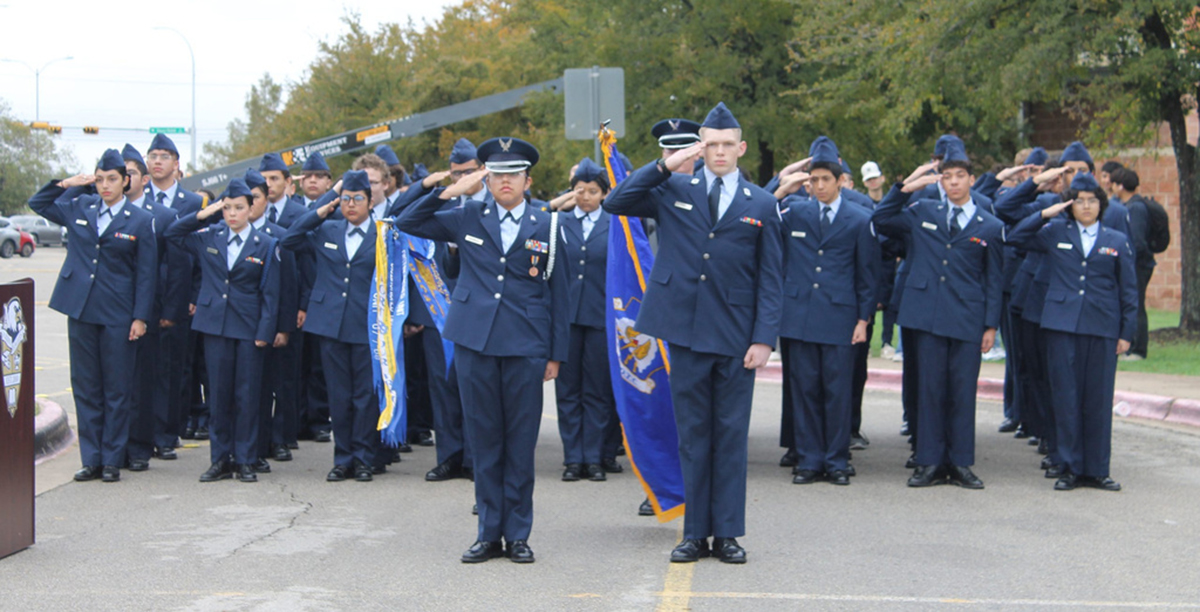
161, 540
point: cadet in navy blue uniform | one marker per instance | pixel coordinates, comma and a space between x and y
509, 326
831, 259
106, 289
714, 294
337, 311
281, 364
315, 181
952, 304
1089, 318
178, 344
236, 313
148, 431
584, 384
281, 210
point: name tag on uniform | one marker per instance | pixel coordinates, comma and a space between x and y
330, 245
473, 240
929, 226
1065, 246
213, 251
81, 222
683, 205
799, 234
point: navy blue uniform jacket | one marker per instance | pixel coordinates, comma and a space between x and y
106, 279
337, 305
714, 289
589, 265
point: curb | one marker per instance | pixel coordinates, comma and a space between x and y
1179, 411
52, 431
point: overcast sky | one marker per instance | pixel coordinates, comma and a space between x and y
126, 74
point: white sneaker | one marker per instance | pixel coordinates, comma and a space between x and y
887, 352
898, 357
995, 354
1130, 357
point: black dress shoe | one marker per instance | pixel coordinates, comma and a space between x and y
322, 435
1043, 447
166, 454
1056, 471
482, 551
1105, 483
363, 473
424, 438
1033, 441
962, 476
520, 552
905, 430
1020, 432
621, 449
839, 477
646, 509
926, 476
338, 473
281, 452
806, 477
404, 448
378, 469
395, 456
475, 509
201, 433
293, 446
110, 473
572, 472
727, 550
443, 472
859, 441
690, 550
468, 473
247, 473
595, 473
790, 458
1047, 463
1066, 482
87, 472
611, 466
1008, 426
850, 471
189, 433
910, 463
138, 465
217, 471
262, 466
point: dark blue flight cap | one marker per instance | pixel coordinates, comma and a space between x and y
356, 180
419, 173
237, 189
131, 154
111, 160
315, 163
507, 155
676, 133
956, 152
1076, 152
1084, 181
589, 171
719, 118
823, 150
254, 178
939, 148
162, 143
387, 155
1037, 157
846, 169
463, 152
272, 161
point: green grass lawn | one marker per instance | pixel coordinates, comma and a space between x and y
1164, 358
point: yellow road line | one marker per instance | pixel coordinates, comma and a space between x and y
677, 587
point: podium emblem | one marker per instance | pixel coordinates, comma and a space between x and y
12, 341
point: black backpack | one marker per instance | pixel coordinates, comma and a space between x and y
1158, 229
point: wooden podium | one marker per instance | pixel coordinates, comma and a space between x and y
16, 416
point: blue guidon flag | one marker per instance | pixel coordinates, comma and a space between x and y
639, 364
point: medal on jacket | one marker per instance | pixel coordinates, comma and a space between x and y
533, 270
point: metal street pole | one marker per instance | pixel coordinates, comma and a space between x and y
37, 81
193, 56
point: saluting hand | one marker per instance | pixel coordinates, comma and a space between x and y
922, 170
433, 179
464, 184
989, 340
1008, 173
137, 330
565, 201
1051, 212
1049, 175
920, 183
790, 184
212, 209
794, 167
79, 180
551, 371
327, 209
684, 156
756, 356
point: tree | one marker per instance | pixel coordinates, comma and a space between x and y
916, 69
28, 159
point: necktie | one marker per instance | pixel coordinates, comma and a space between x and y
236, 240
273, 215
825, 221
955, 228
358, 232
106, 212
162, 197
714, 200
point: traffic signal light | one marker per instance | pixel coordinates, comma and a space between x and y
39, 125
91, 129
54, 129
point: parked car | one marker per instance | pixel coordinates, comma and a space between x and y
13, 240
45, 232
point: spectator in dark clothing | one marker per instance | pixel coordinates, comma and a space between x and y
1125, 188
1105, 177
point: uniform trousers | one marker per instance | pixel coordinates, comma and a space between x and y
946, 387
102, 379
452, 444
143, 420
821, 378
353, 407
234, 380
585, 397
1082, 378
